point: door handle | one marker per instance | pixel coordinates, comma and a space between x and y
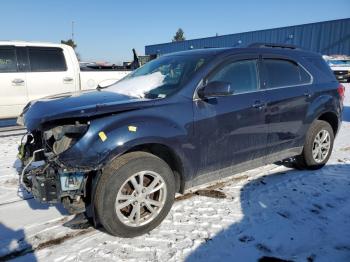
259, 105
17, 81
67, 79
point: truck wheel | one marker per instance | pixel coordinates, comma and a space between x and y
317, 148
134, 194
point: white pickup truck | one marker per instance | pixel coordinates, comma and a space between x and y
29, 71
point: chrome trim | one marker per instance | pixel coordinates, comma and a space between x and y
196, 97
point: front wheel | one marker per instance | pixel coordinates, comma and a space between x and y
318, 146
135, 193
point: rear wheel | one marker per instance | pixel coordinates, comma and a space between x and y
135, 193
318, 146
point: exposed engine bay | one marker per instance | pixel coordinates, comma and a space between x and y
45, 176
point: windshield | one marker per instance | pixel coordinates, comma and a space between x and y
159, 78
338, 62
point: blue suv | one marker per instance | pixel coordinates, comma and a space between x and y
121, 152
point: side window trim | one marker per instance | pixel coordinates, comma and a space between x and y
263, 69
322, 67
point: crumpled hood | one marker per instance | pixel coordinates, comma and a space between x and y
78, 104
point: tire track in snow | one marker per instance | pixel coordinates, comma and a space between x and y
35, 244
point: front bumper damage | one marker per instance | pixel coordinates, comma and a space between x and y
50, 181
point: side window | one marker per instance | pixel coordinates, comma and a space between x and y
46, 59
8, 61
281, 73
242, 76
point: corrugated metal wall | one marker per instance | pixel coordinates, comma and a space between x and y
329, 37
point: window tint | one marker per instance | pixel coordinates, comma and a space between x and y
281, 73
8, 62
242, 76
46, 60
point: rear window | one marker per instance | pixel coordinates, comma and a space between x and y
280, 73
46, 59
322, 67
8, 61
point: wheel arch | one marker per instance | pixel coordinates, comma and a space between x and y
169, 156
332, 119
326, 108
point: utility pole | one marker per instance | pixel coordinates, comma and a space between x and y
73, 31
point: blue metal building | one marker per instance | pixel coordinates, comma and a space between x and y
327, 38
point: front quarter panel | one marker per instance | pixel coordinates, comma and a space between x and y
166, 125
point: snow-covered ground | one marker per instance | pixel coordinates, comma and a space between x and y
267, 212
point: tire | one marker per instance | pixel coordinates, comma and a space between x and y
307, 160
122, 178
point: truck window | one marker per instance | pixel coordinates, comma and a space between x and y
8, 61
280, 73
46, 59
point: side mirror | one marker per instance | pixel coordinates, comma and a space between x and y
215, 88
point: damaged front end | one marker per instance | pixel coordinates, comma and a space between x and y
59, 164
45, 176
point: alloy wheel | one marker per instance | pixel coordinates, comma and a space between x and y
141, 198
321, 146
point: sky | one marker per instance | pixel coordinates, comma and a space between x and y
107, 30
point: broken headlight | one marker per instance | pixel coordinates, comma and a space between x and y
61, 138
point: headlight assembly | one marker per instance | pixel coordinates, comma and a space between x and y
61, 138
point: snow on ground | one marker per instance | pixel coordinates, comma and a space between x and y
267, 212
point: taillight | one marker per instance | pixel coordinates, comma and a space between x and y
341, 92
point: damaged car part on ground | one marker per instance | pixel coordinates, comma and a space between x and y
194, 117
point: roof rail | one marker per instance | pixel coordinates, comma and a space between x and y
272, 45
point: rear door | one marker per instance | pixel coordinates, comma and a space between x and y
288, 93
50, 73
231, 130
13, 91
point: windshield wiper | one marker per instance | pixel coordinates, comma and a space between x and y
103, 87
99, 88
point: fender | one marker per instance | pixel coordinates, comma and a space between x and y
126, 131
326, 103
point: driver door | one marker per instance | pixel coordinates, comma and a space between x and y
231, 130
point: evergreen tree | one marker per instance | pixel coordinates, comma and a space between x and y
179, 36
